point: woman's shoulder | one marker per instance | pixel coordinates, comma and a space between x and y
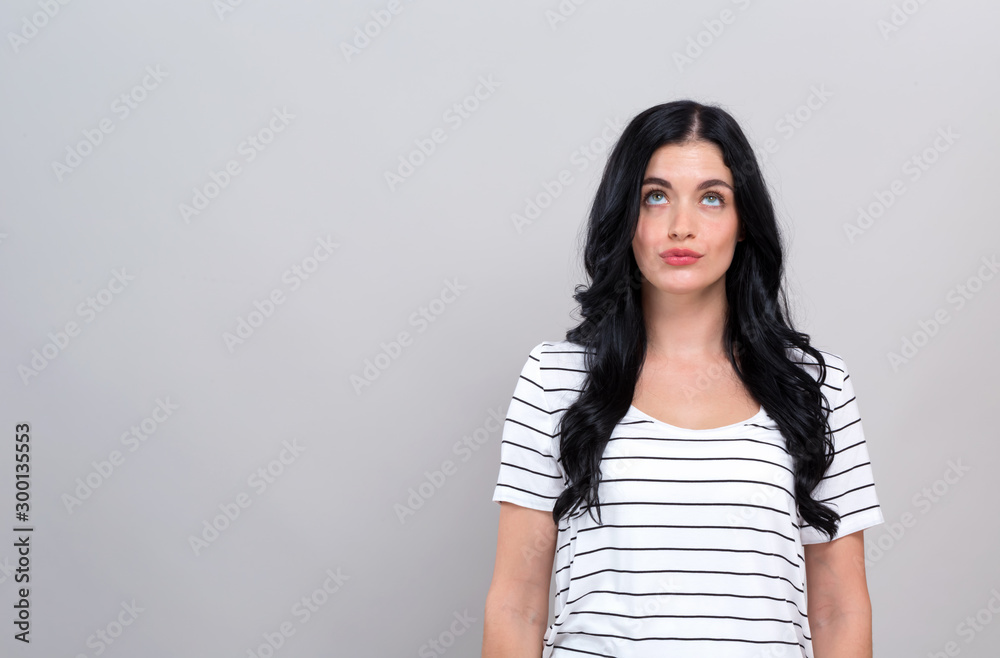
560, 347
560, 363
834, 364
562, 352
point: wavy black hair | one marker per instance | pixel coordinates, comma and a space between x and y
757, 326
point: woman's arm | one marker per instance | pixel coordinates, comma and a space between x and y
840, 611
517, 605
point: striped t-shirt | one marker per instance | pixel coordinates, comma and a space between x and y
700, 550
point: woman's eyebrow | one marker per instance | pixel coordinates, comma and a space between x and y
652, 180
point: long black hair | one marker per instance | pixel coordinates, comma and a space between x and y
757, 327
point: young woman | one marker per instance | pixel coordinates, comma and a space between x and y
685, 457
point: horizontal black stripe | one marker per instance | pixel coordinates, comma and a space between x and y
780, 447
725, 481
545, 411
510, 486
844, 515
533, 429
681, 502
524, 468
703, 459
698, 549
694, 639
848, 470
589, 653
557, 624
519, 445
843, 427
844, 404
705, 571
736, 617
718, 594
692, 527
531, 381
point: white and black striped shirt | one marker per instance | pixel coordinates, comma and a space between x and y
700, 550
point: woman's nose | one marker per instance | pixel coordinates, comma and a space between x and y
681, 224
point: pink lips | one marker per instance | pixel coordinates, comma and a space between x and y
680, 256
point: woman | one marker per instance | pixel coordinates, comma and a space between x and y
685, 456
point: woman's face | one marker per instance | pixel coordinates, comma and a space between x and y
686, 203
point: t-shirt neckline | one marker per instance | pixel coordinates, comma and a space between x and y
687, 430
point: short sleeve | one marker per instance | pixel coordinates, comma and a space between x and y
849, 484
530, 474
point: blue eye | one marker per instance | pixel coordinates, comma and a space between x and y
720, 200
655, 193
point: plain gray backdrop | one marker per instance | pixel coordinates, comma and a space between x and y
218, 218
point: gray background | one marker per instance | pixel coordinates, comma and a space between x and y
884, 97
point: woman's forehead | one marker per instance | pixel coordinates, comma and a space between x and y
690, 161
